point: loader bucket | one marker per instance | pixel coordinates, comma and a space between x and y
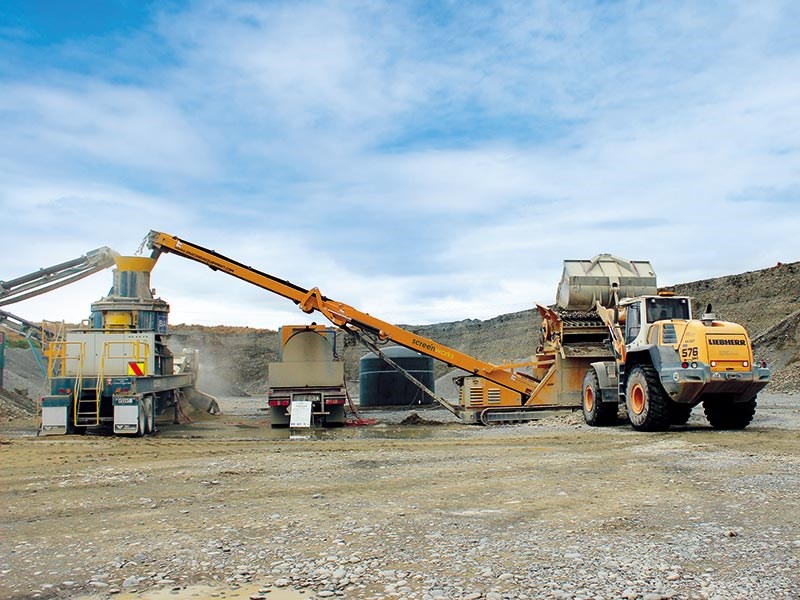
586, 281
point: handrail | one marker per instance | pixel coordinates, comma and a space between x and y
57, 359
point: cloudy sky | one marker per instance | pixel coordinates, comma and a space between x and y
422, 161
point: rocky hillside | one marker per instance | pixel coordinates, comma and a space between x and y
233, 360
780, 346
23, 382
505, 338
767, 302
759, 300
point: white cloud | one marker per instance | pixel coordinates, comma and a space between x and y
419, 167
112, 125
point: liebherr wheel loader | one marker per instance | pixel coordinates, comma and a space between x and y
665, 362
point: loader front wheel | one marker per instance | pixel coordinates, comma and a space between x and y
726, 414
646, 401
596, 412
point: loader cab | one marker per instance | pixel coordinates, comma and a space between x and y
640, 313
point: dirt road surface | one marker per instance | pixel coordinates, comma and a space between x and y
228, 508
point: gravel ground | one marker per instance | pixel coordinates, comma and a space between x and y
552, 509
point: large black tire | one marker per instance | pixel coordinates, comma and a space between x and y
646, 401
723, 413
149, 418
140, 428
278, 418
679, 414
336, 418
595, 412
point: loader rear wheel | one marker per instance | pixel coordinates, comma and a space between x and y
723, 413
596, 412
679, 414
646, 401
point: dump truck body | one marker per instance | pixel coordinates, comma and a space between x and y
308, 371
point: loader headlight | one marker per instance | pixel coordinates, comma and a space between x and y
713, 363
745, 363
694, 365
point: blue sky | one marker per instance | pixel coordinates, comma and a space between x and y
423, 161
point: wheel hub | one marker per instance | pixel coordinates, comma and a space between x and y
637, 399
588, 399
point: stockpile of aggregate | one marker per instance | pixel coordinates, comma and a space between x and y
23, 383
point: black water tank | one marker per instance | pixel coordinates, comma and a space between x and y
380, 384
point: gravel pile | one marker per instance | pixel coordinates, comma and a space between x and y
23, 382
780, 347
14, 406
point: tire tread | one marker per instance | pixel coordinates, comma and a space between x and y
658, 410
604, 413
724, 414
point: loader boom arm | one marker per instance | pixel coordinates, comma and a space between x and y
607, 315
340, 314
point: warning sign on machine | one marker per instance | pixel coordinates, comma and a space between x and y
136, 369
